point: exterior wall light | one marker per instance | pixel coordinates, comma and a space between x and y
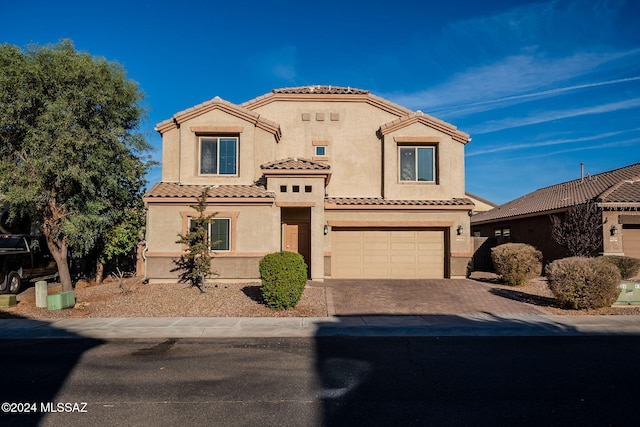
459, 230
613, 230
326, 229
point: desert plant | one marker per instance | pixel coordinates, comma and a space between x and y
584, 283
629, 267
284, 276
516, 262
194, 264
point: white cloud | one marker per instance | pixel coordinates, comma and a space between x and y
547, 116
623, 143
524, 53
512, 147
509, 81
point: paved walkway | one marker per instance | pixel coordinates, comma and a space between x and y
357, 308
427, 325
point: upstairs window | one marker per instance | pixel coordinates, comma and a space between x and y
218, 155
417, 164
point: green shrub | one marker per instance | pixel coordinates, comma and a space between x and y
284, 276
516, 262
584, 283
629, 267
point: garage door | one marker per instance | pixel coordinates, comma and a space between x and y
387, 253
631, 240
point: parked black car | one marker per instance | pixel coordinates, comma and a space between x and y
24, 258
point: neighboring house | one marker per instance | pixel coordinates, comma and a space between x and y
481, 205
527, 219
360, 186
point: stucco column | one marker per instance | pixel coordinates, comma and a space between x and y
317, 242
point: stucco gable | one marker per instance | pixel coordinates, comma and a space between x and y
426, 120
218, 103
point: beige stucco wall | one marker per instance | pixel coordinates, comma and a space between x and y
614, 244
255, 232
353, 149
165, 221
181, 150
480, 204
449, 165
313, 201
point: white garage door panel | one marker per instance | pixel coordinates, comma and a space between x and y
403, 254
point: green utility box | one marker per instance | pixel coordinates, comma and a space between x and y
629, 294
7, 300
61, 300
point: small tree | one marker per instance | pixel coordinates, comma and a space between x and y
579, 230
195, 263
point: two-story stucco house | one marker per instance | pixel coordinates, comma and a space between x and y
360, 186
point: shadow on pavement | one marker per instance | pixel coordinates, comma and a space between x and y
520, 296
470, 379
27, 395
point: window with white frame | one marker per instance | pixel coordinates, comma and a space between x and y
219, 232
321, 150
417, 164
218, 155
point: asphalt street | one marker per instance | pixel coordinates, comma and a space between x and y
321, 381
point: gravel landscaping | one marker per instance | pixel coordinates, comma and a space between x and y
133, 298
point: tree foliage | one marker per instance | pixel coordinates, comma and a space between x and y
579, 230
70, 156
194, 264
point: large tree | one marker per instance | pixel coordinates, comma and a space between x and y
70, 152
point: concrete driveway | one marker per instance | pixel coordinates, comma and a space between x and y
418, 297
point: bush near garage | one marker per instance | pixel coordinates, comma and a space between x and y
584, 283
516, 262
629, 267
284, 276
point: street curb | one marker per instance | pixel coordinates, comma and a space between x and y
480, 325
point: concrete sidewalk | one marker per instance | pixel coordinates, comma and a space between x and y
410, 325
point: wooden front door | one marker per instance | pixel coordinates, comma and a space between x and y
297, 238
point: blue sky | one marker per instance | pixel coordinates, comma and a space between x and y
539, 86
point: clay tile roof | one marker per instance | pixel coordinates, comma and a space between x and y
175, 190
326, 93
376, 201
616, 186
626, 191
320, 89
294, 163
